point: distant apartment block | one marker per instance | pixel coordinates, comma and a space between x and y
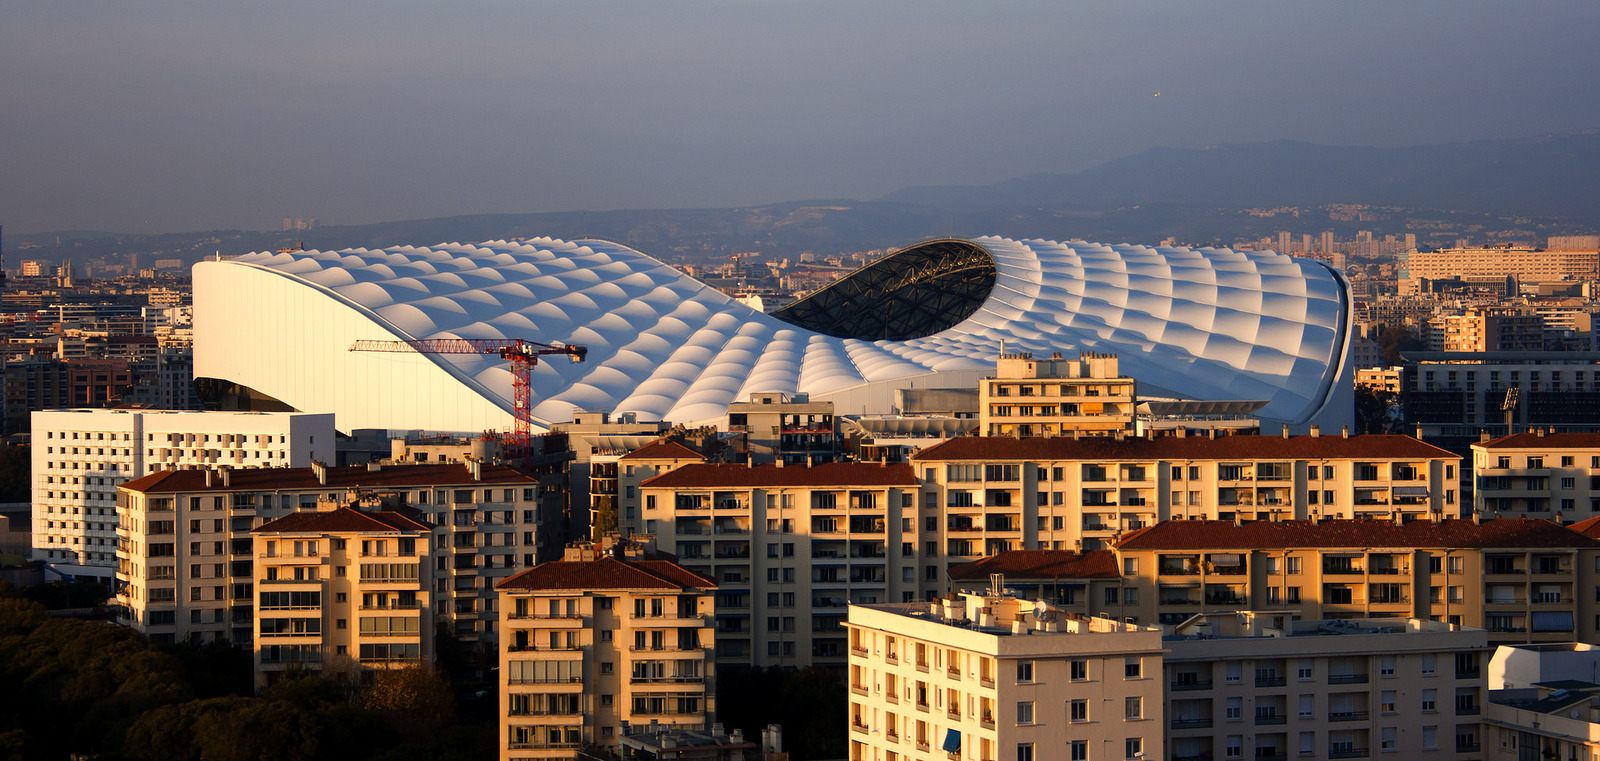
1537, 474
1544, 703
786, 427
342, 591
1455, 397
1525, 264
1521, 580
600, 642
1270, 687
991, 677
81, 456
1056, 397
990, 495
790, 547
185, 557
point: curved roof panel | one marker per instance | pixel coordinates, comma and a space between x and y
1201, 323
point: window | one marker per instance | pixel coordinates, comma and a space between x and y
1025, 712
1133, 708
1024, 672
1078, 710
1024, 751
1132, 668
1233, 747
1386, 666
1387, 737
1430, 738
1111, 595
1430, 700
1133, 747
1386, 701
1080, 750
1303, 672
1235, 709
1079, 670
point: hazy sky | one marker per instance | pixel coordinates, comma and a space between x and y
147, 116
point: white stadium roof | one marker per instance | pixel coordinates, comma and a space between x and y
1208, 324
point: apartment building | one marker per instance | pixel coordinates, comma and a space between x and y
790, 547
993, 677
642, 464
1454, 397
997, 494
1480, 330
598, 642
1056, 397
185, 566
785, 427
1537, 474
1544, 703
1073, 582
1521, 580
1526, 265
594, 443
342, 591
81, 456
1266, 686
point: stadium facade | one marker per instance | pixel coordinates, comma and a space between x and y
1209, 324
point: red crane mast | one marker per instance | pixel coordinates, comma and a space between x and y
521, 353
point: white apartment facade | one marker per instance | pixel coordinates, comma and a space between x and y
1266, 686
81, 456
185, 562
997, 678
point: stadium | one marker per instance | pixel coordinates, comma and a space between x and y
1203, 324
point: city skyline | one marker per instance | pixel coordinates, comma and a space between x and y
238, 117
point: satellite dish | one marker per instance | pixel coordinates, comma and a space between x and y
1040, 608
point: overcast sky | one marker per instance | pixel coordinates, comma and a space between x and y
147, 116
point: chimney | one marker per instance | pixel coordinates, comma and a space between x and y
475, 468
1483, 435
1238, 520
1419, 432
1286, 430
1475, 517
778, 462
373, 466
208, 478
1344, 431
227, 476
1211, 432
320, 470
1316, 431
1539, 432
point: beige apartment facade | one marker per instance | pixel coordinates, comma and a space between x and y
1520, 580
342, 591
790, 547
1537, 474
1527, 265
991, 677
1055, 396
185, 557
1267, 687
997, 494
599, 641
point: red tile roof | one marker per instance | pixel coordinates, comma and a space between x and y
663, 449
267, 479
1372, 446
1269, 535
1562, 440
714, 475
1589, 527
343, 519
1042, 564
606, 573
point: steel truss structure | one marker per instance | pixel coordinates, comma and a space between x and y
912, 293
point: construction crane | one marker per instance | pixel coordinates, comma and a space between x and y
522, 354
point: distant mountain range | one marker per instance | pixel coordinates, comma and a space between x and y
1542, 185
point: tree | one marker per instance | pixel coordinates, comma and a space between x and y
416, 700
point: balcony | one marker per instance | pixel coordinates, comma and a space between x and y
1348, 753
1191, 685
1348, 716
1347, 679
1191, 723
1270, 681
1271, 720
